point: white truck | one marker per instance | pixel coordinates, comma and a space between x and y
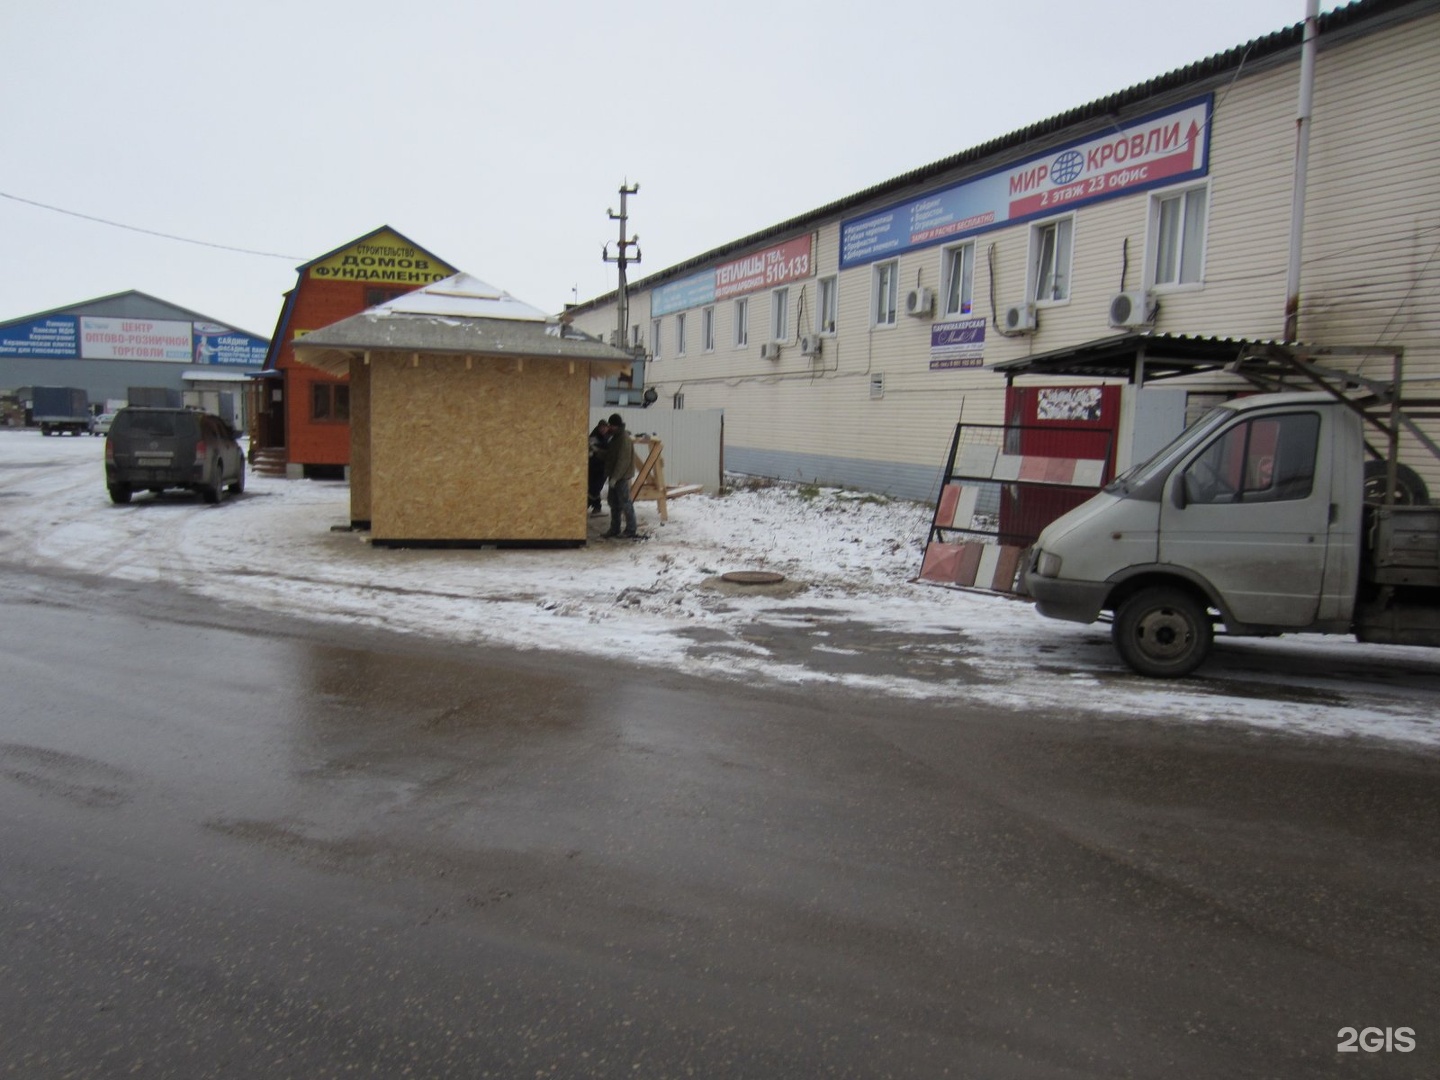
1269, 515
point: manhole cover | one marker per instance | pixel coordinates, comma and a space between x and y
753, 577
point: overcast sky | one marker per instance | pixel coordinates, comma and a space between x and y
497, 135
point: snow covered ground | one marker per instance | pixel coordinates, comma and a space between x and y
851, 615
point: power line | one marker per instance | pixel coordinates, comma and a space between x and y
150, 232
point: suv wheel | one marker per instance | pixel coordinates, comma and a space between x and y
216, 490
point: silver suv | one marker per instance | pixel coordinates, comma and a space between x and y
155, 449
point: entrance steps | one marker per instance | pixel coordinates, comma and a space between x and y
268, 461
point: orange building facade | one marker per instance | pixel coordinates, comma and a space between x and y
299, 415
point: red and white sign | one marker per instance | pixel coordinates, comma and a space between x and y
763, 269
135, 339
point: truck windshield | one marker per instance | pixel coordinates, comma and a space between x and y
1139, 478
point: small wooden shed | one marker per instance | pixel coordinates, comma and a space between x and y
469, 416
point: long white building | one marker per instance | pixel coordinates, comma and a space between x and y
1151, 225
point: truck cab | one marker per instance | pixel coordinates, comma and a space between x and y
1252, 517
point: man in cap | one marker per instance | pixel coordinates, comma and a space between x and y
619, 468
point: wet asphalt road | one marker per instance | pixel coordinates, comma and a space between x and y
238, 847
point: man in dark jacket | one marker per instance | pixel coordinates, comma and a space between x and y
599, 437
619, 467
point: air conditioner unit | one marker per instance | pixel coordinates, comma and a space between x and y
810, 345
1020, 319
1131, 310
770, 350
919, 302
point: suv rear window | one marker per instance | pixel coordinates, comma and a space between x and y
165, 425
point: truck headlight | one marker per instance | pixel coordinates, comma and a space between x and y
1047, 564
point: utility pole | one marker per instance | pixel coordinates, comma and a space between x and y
622, 258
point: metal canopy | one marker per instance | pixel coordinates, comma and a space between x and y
1136, 357
1266, 365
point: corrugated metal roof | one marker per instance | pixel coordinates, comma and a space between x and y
1114, 357
1257, 360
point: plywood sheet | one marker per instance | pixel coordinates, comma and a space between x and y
359, 441
478, 449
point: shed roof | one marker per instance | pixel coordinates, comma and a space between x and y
457, 316
1115, 357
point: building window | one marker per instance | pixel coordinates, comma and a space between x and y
680, 334
707, 329
780, 315
826, 310
1179, 223
887, 284
1050, 245
742, 322
330, 402
655, 339
958, 275
375, 294
634, 336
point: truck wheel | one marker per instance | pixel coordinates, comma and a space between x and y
119, 493
1162, 632
1409, 488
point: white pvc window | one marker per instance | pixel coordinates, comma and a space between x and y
1050, 249
780, 315
828, 307
958, 276
680, 334
886, 293
1179, 224
707, 329
742, 322
655, 339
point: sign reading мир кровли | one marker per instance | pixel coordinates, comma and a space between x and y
1163, 148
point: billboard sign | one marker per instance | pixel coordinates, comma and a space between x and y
221, 346
765, 269
134, 339
53, 336
1163, 148
386, 259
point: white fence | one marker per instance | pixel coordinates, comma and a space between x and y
694, 440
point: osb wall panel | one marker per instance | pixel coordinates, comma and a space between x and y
359, 441
492, 451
